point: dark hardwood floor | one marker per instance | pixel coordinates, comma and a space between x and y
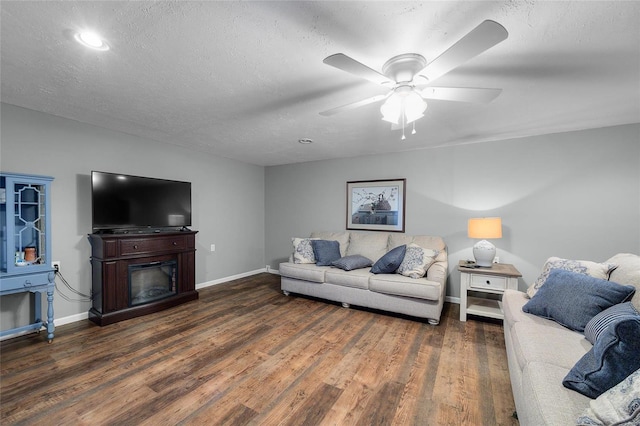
246, 354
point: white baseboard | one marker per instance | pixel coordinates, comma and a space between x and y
452, 299
231, 278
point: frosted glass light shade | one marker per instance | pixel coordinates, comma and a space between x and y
405, 103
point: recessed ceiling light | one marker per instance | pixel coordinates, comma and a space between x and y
91, 40
305, 141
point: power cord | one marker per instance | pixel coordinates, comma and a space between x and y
85, 297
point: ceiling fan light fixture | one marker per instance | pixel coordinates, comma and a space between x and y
404, 105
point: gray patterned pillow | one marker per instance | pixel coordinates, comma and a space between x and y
619, 405
302, 250
585, 267
416, 261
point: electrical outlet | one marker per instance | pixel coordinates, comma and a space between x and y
213, 247
56, 265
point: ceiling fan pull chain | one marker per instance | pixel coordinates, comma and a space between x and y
413, 132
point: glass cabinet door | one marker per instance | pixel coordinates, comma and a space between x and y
25, 225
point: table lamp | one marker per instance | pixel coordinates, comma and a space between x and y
486, 227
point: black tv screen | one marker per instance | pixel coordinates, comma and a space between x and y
121, 201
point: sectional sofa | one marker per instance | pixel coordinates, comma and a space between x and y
421, 297
542, 353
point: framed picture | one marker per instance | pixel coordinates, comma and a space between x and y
376, 205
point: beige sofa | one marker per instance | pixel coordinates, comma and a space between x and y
540, 353
418, 297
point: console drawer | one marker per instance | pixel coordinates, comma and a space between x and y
146, 245
488, 281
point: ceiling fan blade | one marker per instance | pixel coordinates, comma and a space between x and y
481, 38
350, 65
353, 105
461, 94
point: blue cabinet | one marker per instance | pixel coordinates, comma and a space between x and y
25, 253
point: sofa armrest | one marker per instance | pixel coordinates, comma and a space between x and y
438, 272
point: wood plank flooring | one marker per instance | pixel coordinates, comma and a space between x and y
245, 354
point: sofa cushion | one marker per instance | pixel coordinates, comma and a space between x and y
608, 317
303, 271
416, 261
547, 402
349, 263
426, 241
302, 250
400, 285
572, 299
627, 272
597, 270
620, 405
341, 237
531, 342
389, 263
325, 251
372, 245
358, 278
613, 357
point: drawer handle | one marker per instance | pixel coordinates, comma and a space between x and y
135, 246
488, 282
174, 243
27, 283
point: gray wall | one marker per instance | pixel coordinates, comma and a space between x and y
228, 196
573, 195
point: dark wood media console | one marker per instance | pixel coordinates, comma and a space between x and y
113, 255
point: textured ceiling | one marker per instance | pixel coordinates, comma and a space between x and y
245, 80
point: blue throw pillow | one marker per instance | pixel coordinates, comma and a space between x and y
325, 251
349, 263
611, 360
572, 299
389, 263
606, 318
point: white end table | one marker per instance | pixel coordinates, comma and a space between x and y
493, 280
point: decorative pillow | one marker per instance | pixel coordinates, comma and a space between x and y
302, 250
627, 272
606, 318
416, 261
325, 251
619, 405
612, 358
572, 299
389, 263
349, 263
585, 267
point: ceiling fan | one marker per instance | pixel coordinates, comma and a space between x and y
409, 77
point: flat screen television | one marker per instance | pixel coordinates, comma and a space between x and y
123, 203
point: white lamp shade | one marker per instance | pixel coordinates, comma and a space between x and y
485, 227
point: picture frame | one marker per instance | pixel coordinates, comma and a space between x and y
376, 205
